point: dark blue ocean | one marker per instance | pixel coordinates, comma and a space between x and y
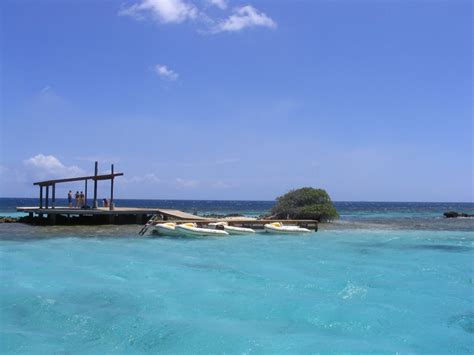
386, 277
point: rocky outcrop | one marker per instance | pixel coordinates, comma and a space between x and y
9, 220
454, 214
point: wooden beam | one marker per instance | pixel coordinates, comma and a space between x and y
82, 178
47, 197
53, 203
111, 204
85, 194
96, 170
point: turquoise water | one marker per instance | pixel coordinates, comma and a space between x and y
105, 290
13, 214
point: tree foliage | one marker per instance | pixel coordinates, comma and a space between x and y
305, 203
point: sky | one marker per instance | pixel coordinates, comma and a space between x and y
228, 99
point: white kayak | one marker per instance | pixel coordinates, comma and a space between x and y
232, 229
168, 229
278, 227
190, 229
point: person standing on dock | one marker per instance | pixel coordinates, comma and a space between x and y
69, 199
82, 200
77, 199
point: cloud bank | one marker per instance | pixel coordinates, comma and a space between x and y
48, 166
164, 11
179, 11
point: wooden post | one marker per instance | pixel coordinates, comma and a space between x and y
94, 204
52, 219
47, 197
111, 203
53, 203
85, 193
41, 196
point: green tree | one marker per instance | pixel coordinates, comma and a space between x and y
305, 203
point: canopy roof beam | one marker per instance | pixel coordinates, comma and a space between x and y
82, 178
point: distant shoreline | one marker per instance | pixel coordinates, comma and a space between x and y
265, 201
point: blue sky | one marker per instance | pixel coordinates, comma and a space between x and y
214, 99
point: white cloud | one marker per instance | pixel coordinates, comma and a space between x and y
186, 183
147, 178
165, 72
164, 11
179, 11
244, 17
48, 166
221, 185
221, 4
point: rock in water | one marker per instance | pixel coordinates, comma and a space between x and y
8, 220
454, 214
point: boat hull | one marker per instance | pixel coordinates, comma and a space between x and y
285, 229
238, 230
200, 232
166, 230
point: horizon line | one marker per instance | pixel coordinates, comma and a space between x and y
180, 199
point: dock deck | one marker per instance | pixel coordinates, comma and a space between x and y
136, 215
106, 211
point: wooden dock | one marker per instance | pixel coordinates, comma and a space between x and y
104, 215
48, 213
135, 215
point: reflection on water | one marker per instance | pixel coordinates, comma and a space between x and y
465, 321
448, 248
412, 223
20, 231
367, 248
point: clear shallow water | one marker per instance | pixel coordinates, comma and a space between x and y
332, 291
379, 287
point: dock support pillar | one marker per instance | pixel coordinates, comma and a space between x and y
112, 219
96, 171
85, 192
41, 197
111, 204
47, 197
52, 219
53, 202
